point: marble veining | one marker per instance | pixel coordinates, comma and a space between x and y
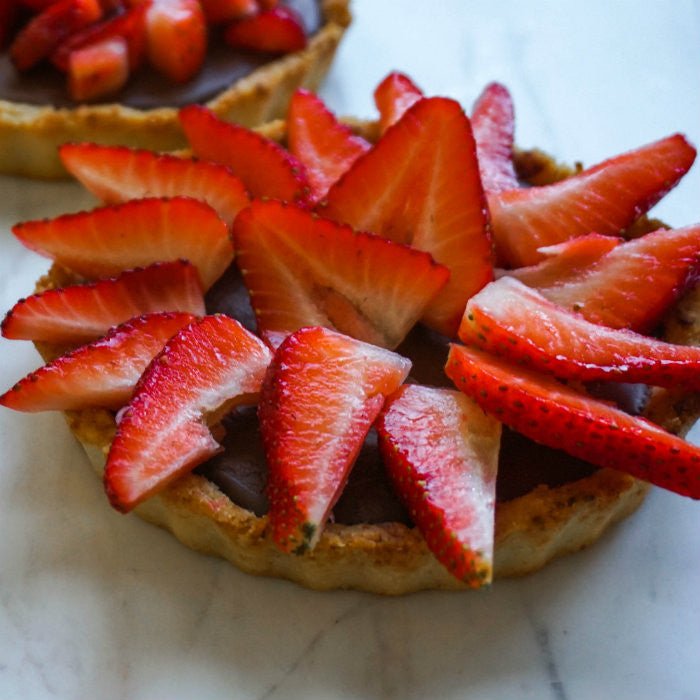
95, 604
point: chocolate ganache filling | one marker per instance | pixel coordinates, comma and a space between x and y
147, 89
240, 471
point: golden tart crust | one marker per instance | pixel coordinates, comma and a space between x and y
31, 134
389, 558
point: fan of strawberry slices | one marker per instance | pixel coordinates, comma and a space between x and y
99, 44
344, 246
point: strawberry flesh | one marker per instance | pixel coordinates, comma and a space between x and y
98, 69
393, 96
604, 199
319, 399
103, 373
441, 452
295, 266
420, 186
115, 174
211, 366
549, 412
278, 30
108, 240
81, 313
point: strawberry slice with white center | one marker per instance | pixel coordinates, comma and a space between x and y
103, 373
449, 488
604, 199
295, 266
211, 366
420, 186
326, 147
266, 168
518, 323
549, 412
108, 240
393, 96
320, 397
630, 285
80, 313
493, 123
115, 174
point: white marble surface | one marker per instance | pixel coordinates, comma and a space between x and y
94, 604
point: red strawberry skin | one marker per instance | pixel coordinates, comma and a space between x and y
326, 147
493, 123
555, 415
266, 169
441, 453
516, 322
604, 199
319, 399
103, 373
98, 69
277, 30
108, 240
393, 96
115, 174
210, 366
295, 266
420, 186
630, 285
81, 313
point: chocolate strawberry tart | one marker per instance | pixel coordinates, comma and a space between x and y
389, 356
118, 71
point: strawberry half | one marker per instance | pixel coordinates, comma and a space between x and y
420, 186
81, 313
211, 366
278, 30
266, 169
108, 240
295, 266
604, 199
518, 323
115, 174
450, 487
103, 373
393, 96
630, 285
176, 34
493, 123
326, 147
549, 412
319, 399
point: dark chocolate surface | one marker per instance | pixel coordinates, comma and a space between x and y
146, 89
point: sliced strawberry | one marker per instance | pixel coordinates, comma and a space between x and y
420, 186
263, 165
220, 11
295, 266
98, 69
518, 323
630, 285
81, 313
103, 373
115, 174
326, 147
319, 399
45, 31
203, 371
176, 33
604, 199
493, 123
549, 412
393, 96
130, 25
449, 488
278, 30
108, 240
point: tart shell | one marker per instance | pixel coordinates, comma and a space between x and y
392, 558
30, 135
